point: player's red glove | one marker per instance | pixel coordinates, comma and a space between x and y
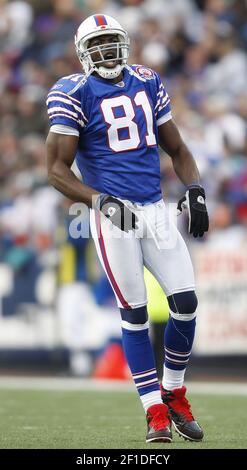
194, 202
117, 212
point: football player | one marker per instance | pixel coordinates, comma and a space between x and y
111, 119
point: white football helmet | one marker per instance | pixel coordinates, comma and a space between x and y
98, 25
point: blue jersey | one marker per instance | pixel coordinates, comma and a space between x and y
117, 125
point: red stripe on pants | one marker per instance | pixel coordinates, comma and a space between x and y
106, 262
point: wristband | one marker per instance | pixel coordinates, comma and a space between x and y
193, 185
100, 200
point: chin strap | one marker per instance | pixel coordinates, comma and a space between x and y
104, 72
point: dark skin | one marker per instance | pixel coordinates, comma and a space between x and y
61, 149
102, 40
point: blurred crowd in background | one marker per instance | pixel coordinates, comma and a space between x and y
199, 49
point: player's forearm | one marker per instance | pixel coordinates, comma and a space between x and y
183, 162
60, 154
185, 165
65, 181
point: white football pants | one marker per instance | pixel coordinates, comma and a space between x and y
156, 244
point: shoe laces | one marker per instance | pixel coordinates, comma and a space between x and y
158, 417
179, 402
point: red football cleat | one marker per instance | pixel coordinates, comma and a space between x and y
159, 424
180, 411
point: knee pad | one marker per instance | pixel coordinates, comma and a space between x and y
134, 319
183, 305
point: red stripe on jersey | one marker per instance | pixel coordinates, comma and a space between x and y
100, 20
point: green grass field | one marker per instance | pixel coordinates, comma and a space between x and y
109, 420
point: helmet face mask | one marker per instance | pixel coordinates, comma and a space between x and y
93, 58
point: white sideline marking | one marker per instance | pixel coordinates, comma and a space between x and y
64, 384
77, 384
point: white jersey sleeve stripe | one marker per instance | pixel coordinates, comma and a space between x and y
62, 100
65, 130
64, 115
163, 100
64, 110
161, 93
58, 100
63, 94
162, 106
160, 109
164, 118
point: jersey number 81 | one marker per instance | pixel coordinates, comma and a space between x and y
116, 143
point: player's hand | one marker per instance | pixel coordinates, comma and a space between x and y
118, 213
194, 202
